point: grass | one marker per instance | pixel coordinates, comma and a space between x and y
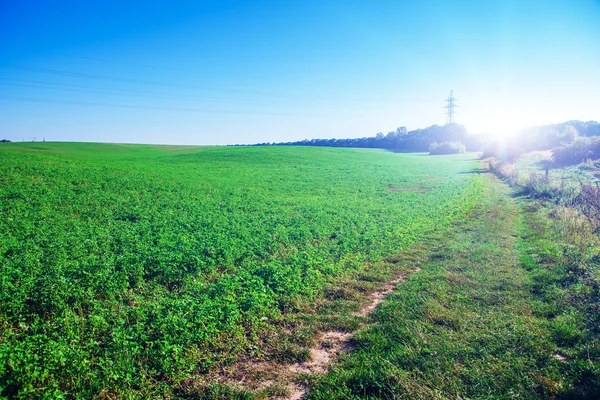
129, 270
562, 256
485, 318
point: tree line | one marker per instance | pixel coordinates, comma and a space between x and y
399, 140
420, 140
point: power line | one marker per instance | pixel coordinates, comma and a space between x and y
81, 103
110, 89
115, 79
156, 83
140, 94
104, 60
127, 80
101, 91
108, 78
149, 94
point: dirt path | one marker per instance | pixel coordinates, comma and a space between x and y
284, 380
330, 344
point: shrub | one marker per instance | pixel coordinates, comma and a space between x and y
580, 150
446, 148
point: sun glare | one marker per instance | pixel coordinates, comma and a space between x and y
505, 130
505, 124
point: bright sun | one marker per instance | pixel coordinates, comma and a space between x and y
503, 124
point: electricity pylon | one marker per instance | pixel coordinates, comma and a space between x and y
450, 108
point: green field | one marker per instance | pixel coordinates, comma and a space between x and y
128, 270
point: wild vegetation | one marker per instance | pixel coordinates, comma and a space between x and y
133, 271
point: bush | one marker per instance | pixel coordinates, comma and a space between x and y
446, 148
580, 150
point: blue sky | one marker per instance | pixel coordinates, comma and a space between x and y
224, 72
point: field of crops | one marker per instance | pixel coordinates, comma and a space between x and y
126, 269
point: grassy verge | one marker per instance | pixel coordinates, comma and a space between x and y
473, 323
562, 256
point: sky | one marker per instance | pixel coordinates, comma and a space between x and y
234, 72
